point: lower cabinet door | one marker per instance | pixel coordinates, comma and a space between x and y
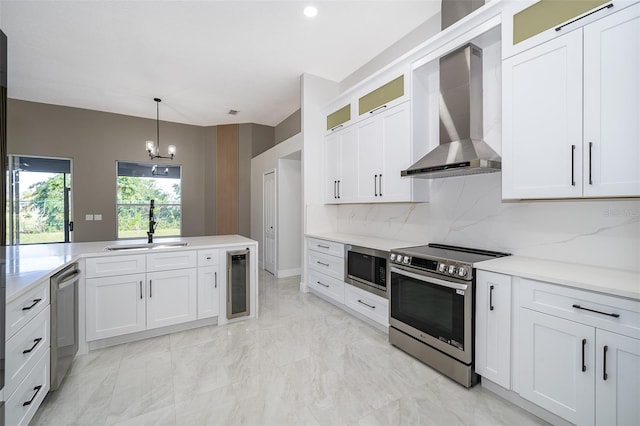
617, 379
171, 297
115, 305
208, 292
557, 365
326, 285
23, 404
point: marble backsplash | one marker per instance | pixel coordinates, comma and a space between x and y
468, 211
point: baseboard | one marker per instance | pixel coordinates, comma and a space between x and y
516, 399
284, 273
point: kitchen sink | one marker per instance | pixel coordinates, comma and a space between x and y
143, 246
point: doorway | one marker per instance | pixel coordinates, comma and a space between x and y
269, 209
39, 200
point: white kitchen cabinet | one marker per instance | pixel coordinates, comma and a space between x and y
325, 268
542, 121
368, 304
22, 405
617, 393
340, 178
562, 340
172, 297
208, 292
612, 105
557, 365
116, 305
383, 150
493, 327
570, 113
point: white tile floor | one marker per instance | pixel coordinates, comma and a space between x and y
304, 361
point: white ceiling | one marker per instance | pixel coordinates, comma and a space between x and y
201, 57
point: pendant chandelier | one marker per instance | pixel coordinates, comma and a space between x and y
153, 149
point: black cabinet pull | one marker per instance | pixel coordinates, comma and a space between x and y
335, 191
605, 376
366, 304
573, 168
215, 278
35, 343
375, 185
376, 109
324, 285
140, 289
337, 127
491, 298
610, 5
37, 389
597, 312
590, 149
324, 247
150, 289
338, 189
35, 302
584, 344
323, 264
380, 184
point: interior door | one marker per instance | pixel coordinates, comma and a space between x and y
269, 208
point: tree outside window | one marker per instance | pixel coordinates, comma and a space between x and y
137, 185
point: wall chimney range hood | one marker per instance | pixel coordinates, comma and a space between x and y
461, 150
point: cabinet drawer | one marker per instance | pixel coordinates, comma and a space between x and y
327, 264
25, 348
327, 285
208, 257
32, 390
109, 266
323, 246
171, 260
582, 306
368, 304
26, 307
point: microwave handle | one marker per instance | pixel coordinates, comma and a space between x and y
419, 277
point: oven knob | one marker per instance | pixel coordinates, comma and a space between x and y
406, 260
462, 271
392, 256
442, 268
452, 269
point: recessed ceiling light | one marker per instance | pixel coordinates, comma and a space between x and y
310, 11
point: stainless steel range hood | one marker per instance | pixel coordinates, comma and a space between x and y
461, 150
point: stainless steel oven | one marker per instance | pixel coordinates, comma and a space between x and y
366, 268
433, 306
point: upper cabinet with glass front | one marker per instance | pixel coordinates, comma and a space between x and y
571, 108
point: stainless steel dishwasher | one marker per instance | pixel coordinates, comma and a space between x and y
64, 322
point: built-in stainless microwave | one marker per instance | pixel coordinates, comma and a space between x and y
366, 268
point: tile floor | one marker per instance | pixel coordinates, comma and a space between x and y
303, 362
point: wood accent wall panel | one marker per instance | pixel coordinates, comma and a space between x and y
227, 171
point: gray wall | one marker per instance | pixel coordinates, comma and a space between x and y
254, 139
288, 127
96, 140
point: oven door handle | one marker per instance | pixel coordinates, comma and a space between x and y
423, 278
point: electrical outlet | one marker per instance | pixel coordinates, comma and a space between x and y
88, 217
97, 217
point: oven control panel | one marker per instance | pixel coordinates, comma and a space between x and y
444, 267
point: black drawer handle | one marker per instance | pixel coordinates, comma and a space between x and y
324, 285
605, 376
37, 389
491, 298
324, 247
377, 109
35, 343
208, 257
610, 5
323, 264
584, 344
35, 302
366, 304
597, 312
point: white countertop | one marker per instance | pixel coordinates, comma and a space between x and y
28, 264
610, 281
364, 241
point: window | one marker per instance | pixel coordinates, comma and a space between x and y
138, 184
38, 200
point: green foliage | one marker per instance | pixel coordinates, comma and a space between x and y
45, 205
